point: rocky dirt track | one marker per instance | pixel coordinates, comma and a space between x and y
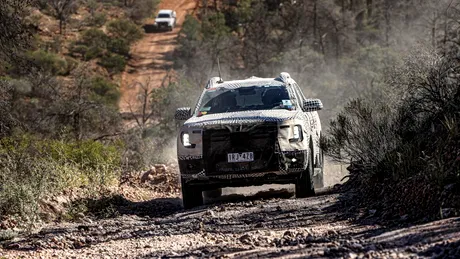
268, 224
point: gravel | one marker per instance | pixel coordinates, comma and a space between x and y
243, 227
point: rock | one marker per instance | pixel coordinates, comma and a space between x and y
211, 213
246, 239
148, 176
288, 234
332, 232
351, 256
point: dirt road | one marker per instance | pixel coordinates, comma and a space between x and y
265, 225
152, 56
240, 224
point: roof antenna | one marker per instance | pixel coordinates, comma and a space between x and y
220, 75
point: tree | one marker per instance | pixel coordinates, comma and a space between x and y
14, 30
62, 9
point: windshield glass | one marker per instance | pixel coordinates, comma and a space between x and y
265, 97
163, 15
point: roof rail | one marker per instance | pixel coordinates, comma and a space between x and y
283, 77
214, 81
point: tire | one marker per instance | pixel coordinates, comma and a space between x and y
213, 194
318, 180
304, 186
192, 196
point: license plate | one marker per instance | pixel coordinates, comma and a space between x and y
240, 157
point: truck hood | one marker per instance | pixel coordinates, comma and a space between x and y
164, 20
241, 118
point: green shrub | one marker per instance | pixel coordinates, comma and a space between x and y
142, 9
118, 46
91, 45
32, 169
48, 62
97, 19
125, 30
114, 63
77, 50
105, 91
94, 38
92, 53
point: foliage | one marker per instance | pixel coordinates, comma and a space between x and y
125, 30
97, 19
415, 136
105, 91
48, 62
94, 38
33, 169
62, 10
114, 63
140, 9
118, 46
16, 34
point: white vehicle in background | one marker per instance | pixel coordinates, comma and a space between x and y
166, 19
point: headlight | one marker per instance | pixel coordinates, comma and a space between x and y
296, 134
186, 140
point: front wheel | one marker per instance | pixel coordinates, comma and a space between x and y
318, 177
304, 186
192, 196
213, 194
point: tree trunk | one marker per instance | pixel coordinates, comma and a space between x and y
369, 8
61, 23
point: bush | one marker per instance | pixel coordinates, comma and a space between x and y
407, 147
142, 9
33, 169
49, 62
94, 38
125, 30
118, 46
97, 19
114, 63
105, 91
92, 45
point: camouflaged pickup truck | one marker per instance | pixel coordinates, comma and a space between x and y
249, 132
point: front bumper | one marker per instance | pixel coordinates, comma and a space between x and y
284, 170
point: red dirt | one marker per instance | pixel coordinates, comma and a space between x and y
152, 57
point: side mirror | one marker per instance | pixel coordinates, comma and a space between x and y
183, 114
311, 105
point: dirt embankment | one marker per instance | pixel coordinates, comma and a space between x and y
152, 57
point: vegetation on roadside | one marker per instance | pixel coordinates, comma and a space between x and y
404, 151
60, 128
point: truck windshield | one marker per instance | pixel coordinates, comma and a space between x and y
163, 15
267, 97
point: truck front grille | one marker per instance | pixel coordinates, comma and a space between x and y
260, 140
